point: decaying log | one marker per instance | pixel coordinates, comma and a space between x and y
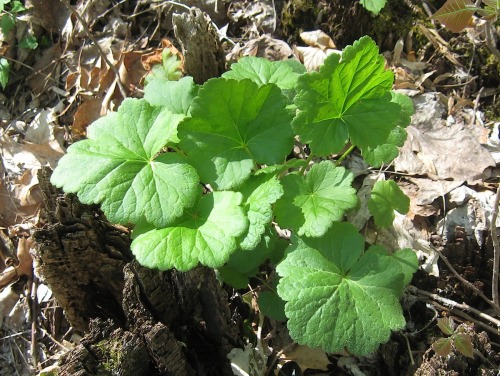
81, 256
203, 54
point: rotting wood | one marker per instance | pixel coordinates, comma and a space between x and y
204, 57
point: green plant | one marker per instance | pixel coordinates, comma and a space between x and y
374, 6
234, 135
456, 339
8, 13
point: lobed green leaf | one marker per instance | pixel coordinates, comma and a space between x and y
349, 98
233, 125
260, 193
339, 297
311, 203
206, 234
386, 197
118, 167
374, 6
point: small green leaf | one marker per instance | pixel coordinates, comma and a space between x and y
313, 202
29, 43
7, 22
260, 193
118, 167
374, 6
233, 125
389, 149
4, 72
2, 4
17, 7
407, 109
206, 234
463, 344
456, 14
171, 64
232, 277
337, 296
443, 346
349, 98
386, 197
291, 164
446, 325
271, 305
386, 152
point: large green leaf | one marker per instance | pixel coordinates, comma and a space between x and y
233, 125
339, 297
313, 202
206, 234
118, 167
349, 98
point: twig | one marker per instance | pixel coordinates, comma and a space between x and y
85, 26
452, 305
34, 314
488, 31
467, 283
496, 248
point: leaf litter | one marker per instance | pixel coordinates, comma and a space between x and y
447, 165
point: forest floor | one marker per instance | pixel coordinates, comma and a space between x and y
61, 70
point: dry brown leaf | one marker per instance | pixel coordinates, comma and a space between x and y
25, 266
313, 57
318, 38
433, 147
307, 357
9, 214
265, 46
320, 47
87, 112
50, 14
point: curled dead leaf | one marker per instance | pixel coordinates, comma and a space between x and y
317, 38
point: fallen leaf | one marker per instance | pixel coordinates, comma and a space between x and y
317, 38
433, 148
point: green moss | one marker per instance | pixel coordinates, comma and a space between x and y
296, 16
110, 353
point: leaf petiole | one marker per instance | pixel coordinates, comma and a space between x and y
347, 152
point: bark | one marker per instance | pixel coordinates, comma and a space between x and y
204, 57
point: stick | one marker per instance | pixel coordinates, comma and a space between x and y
467, 283
496, 249
463, 306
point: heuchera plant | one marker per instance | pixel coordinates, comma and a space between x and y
204, 175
